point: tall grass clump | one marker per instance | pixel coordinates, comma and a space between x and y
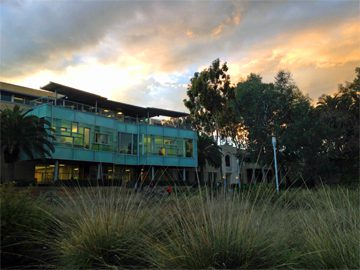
24, 228
331, 230
224, 232
103, 228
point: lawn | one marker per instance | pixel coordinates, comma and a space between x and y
103, 227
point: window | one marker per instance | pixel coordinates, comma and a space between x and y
87, 138
125, 143
6, 96
128, 143
74, 127
65, 139
189, 148
19, 100
101, 138
135, 143
174, 147
158, 142
227, 161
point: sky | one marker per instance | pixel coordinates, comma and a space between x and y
145, 52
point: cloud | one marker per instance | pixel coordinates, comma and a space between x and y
320, 58
125, 49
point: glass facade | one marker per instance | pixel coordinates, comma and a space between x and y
98, 138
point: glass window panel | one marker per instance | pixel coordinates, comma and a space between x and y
78, 141
6, 96
19, 99
180, 147
87, 138
135, 144
64, 139
125, 143
101, 138
147, 144
171, 146
44, 173
159, 146
74, 127
189, 148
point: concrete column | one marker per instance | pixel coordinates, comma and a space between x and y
152, 173
99, 172
56, 171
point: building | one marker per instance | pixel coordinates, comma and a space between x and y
235, 171
11, 95
102, 140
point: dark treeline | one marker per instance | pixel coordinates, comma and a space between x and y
315, 142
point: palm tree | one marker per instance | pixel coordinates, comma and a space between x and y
208, 153
22, 133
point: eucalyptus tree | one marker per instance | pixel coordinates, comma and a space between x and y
274, 109
208, 93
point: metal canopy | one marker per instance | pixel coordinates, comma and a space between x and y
90, 99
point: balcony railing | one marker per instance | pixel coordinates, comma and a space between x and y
104, 112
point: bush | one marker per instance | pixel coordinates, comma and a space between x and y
24, 227
331, 238
108, 227
223, 233
104, 228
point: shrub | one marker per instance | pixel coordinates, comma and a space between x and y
331, 236
24, 224
223, 233
104, 228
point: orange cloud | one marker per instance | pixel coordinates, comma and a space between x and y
309, 54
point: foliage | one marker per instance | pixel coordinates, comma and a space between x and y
338, 129
103, 228
223, 233
24, 133
114, 228
331, 230
208, 152
279, 110
207, 95
314, 143
24, 226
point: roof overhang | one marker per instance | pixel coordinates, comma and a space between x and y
80, 96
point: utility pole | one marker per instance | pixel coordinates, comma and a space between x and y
275, 163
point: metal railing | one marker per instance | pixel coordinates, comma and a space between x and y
103, 112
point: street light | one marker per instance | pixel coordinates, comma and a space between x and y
273, 139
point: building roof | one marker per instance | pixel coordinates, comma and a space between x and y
25, 90
87, 98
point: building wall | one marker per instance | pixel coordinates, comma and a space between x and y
157, 147
153, 143
235, 171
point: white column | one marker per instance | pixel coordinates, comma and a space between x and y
152, 173
56, 170
99, 172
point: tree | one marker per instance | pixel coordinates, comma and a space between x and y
208, 153
22, 133
207, 93
338, 116
274, 109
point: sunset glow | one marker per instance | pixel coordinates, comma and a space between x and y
146, 52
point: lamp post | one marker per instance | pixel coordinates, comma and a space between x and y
273, 139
